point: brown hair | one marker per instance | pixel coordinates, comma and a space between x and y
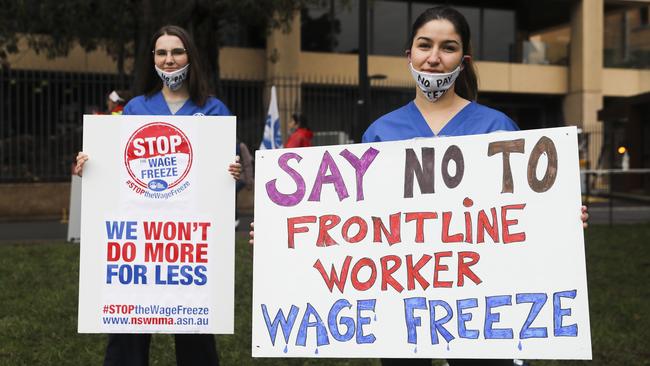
196, 83
300, 120
467, 83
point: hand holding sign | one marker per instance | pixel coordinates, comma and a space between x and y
235, 168
81, 160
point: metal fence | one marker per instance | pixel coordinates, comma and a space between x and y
606, 166
41, 113
40, 120
615, 191
626, 194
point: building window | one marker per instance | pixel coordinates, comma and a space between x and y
498, 35
330, 26
388, 23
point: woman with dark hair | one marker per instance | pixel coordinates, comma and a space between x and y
301, 134
176, 84
173, 86
440, 60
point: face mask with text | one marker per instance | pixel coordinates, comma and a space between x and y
434, 85
173, 80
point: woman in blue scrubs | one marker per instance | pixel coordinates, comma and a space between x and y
440, 61
175, 85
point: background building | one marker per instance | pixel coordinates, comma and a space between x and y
545, 63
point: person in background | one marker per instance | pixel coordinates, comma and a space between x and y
116, 101
301, 135
440, 61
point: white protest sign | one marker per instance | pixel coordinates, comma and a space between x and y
457, 247
157, 226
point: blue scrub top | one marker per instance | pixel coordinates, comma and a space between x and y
156, 105
407, 123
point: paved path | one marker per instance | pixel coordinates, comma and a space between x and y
32, 231
620, 215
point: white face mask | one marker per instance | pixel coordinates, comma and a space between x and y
434, 85
173, 80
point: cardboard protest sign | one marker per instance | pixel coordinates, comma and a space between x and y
456, 247
157, 226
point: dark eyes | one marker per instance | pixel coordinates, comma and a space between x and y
174, 52
444, 47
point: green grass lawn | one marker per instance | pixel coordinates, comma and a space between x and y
39, 284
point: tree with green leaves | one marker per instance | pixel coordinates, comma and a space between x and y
124, 27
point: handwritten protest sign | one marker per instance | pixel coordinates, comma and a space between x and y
157, 227
458, 247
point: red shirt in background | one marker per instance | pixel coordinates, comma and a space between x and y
117, 110
300, 138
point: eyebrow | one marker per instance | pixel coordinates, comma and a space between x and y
422, 38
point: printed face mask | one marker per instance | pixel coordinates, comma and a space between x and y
174, 79
434, 85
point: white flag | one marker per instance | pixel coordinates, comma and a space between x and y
271, 138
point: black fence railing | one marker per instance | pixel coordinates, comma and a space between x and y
41, 120
41, 113
625, 190
247, 100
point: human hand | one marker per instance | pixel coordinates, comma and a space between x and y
81, 160
251, 237
235, 168
584, 216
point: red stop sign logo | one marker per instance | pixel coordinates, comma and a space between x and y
158, 156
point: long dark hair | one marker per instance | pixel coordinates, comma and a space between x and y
466, 83
196, 83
